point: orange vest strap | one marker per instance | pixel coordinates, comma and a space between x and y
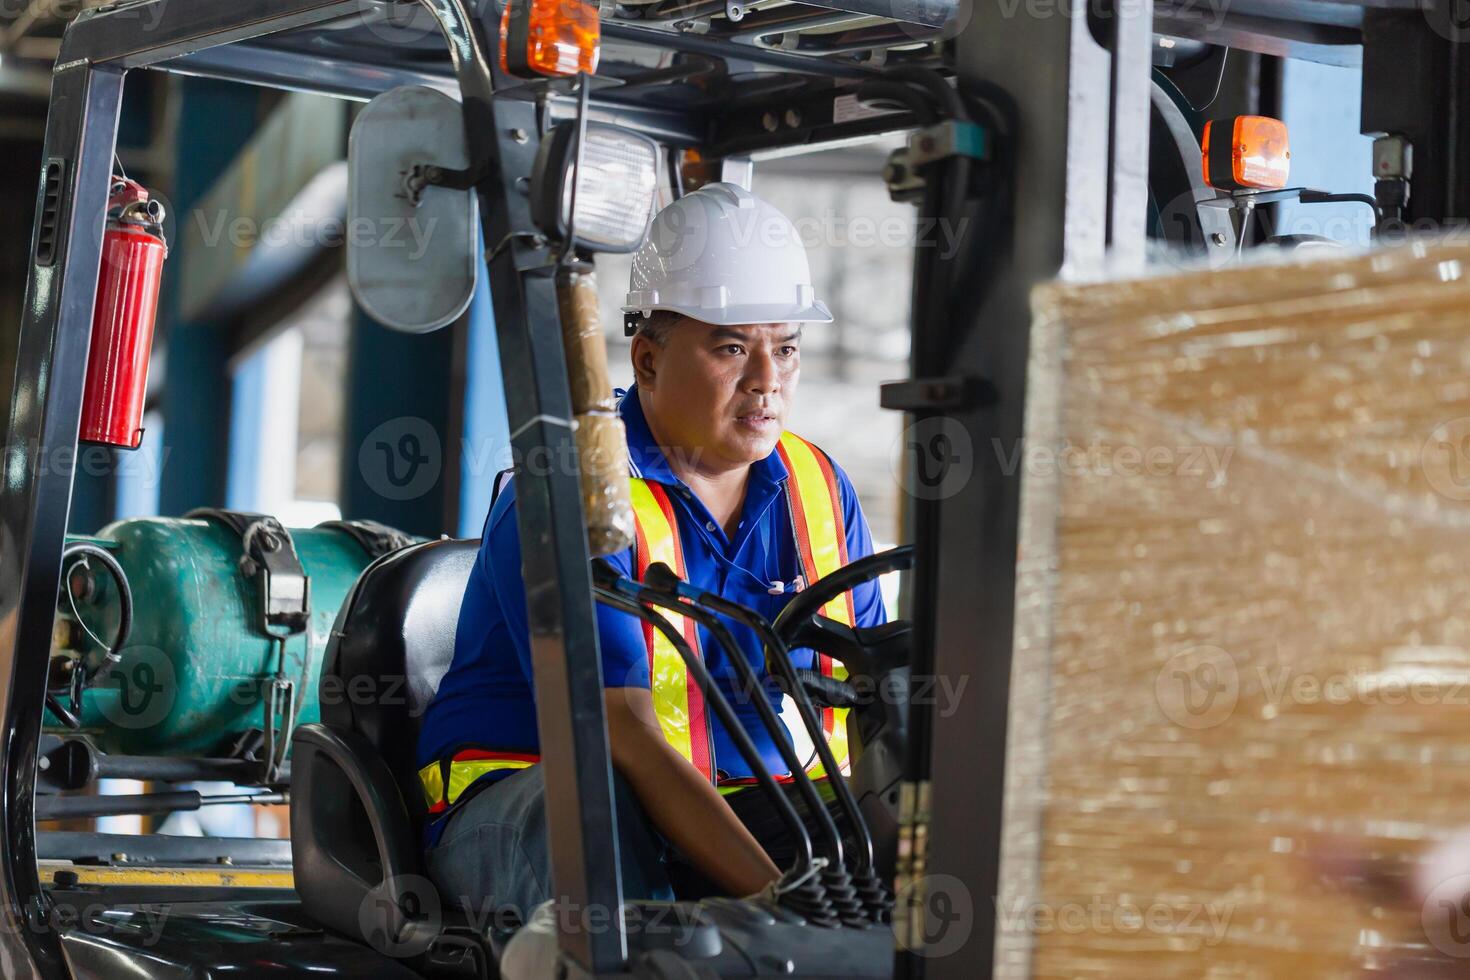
821, 537
677, 699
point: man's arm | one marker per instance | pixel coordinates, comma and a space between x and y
681, 802
687, 810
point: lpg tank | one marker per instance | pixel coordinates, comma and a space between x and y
192, 676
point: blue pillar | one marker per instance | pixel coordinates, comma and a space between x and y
485, 448
426, 424
399, 417
216, 120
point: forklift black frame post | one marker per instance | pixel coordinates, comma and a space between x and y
99, 47
1072, 171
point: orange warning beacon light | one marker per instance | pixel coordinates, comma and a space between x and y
1256, 155
550, 37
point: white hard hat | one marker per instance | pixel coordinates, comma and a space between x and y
724, 256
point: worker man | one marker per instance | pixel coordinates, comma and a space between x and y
732, 503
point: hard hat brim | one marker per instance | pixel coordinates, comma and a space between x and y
731, 316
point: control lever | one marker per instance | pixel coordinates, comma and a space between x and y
619, 592
828, 692
872, 650
869, 892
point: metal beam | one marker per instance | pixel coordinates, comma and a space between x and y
140, 34
35, 495
675, 41
302, 71
1049, 215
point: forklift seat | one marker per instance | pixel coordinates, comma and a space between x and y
357, 807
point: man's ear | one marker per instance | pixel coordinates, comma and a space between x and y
645, 358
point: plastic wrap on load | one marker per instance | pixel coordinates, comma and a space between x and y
602, 443
1240, 726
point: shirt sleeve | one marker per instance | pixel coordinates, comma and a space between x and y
624, 655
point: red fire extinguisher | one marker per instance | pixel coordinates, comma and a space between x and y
133, 250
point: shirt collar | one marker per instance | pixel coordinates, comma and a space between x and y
647, 457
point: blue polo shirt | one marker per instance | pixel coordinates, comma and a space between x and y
486, 699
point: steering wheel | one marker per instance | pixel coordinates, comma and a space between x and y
872, 651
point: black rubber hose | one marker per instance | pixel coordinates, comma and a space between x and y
933, 83
763, 708
663, 581
721, 706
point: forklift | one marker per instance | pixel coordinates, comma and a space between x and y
1056, 143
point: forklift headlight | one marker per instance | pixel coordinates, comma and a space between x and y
614, 193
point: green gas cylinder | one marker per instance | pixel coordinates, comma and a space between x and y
197, 667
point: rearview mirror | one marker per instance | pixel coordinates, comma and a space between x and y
412, 256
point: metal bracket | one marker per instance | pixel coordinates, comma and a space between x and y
1393, 158
935, 394
424, 175
925, 146
947, 139
268, 555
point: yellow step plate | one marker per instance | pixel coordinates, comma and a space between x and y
225, 876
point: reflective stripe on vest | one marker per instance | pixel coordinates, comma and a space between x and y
821, 538
677, 699
816, 517
463, 769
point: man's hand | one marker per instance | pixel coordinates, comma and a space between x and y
679, 800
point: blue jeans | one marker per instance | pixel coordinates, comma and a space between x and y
493, 857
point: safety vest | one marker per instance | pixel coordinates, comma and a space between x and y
816, 517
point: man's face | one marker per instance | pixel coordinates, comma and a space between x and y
723, 392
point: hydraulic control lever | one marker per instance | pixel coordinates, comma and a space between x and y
800, 890
863, 884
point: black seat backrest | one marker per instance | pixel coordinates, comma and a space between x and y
390, 647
